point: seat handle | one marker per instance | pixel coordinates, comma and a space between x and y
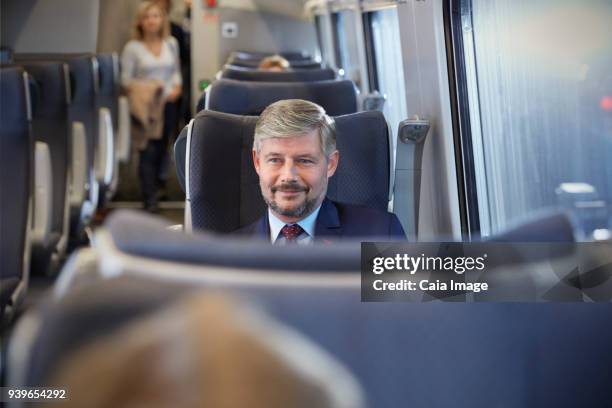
411, 137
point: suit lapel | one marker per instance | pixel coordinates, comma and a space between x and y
328, 228
262, 227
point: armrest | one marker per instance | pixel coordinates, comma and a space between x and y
91, 203
124, 137
411, 137
43, 194
84, 187
188, 228
207, 92
78, 165
106, 153
65, 232
374, 101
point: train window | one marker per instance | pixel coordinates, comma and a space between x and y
539, 89
384, 39
346, 44
323, 34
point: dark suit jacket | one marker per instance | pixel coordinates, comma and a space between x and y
340, 221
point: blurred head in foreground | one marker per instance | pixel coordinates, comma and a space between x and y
205, 351
274, 63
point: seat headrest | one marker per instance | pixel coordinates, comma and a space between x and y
108, 65
224, 187
139, 234
258, 55
14, 99
84, 72
51, 83
254, 63
293, 75
251, 98
549, 226
51, 56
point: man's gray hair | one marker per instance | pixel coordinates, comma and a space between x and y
295, 117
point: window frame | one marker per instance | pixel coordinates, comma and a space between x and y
319, 31
326, 35
465, 164
335, 22
372, 71
355, 50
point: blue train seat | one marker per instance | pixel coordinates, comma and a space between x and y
293, 75
222, 187
434, 354
16, 185
251, 98
292, 56
51, 126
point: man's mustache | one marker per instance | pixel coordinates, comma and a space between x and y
289, 188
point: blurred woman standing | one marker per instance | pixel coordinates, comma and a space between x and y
151, 58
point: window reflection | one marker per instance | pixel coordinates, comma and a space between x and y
389, 65
348, 53
543, 85
322, 26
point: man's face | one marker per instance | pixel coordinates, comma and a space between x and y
293, 174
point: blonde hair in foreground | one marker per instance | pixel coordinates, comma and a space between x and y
205, 351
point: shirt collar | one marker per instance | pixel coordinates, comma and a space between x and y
308, 224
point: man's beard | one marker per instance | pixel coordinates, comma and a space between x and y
301, 211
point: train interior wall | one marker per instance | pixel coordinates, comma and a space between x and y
39, 26
257, 29
427, 95
108, 25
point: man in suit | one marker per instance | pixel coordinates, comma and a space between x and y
294, 153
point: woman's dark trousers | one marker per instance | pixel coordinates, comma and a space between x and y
154, 160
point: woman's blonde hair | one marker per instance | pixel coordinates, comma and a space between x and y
205, 350
274, 61
143, 8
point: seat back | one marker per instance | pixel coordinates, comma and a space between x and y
108, 97
108, 65
544, 226
251, 98
50, 125
402, 353
293, 75
16, 172
254, 63
222, 185
86, 109
85, 85
291, 56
